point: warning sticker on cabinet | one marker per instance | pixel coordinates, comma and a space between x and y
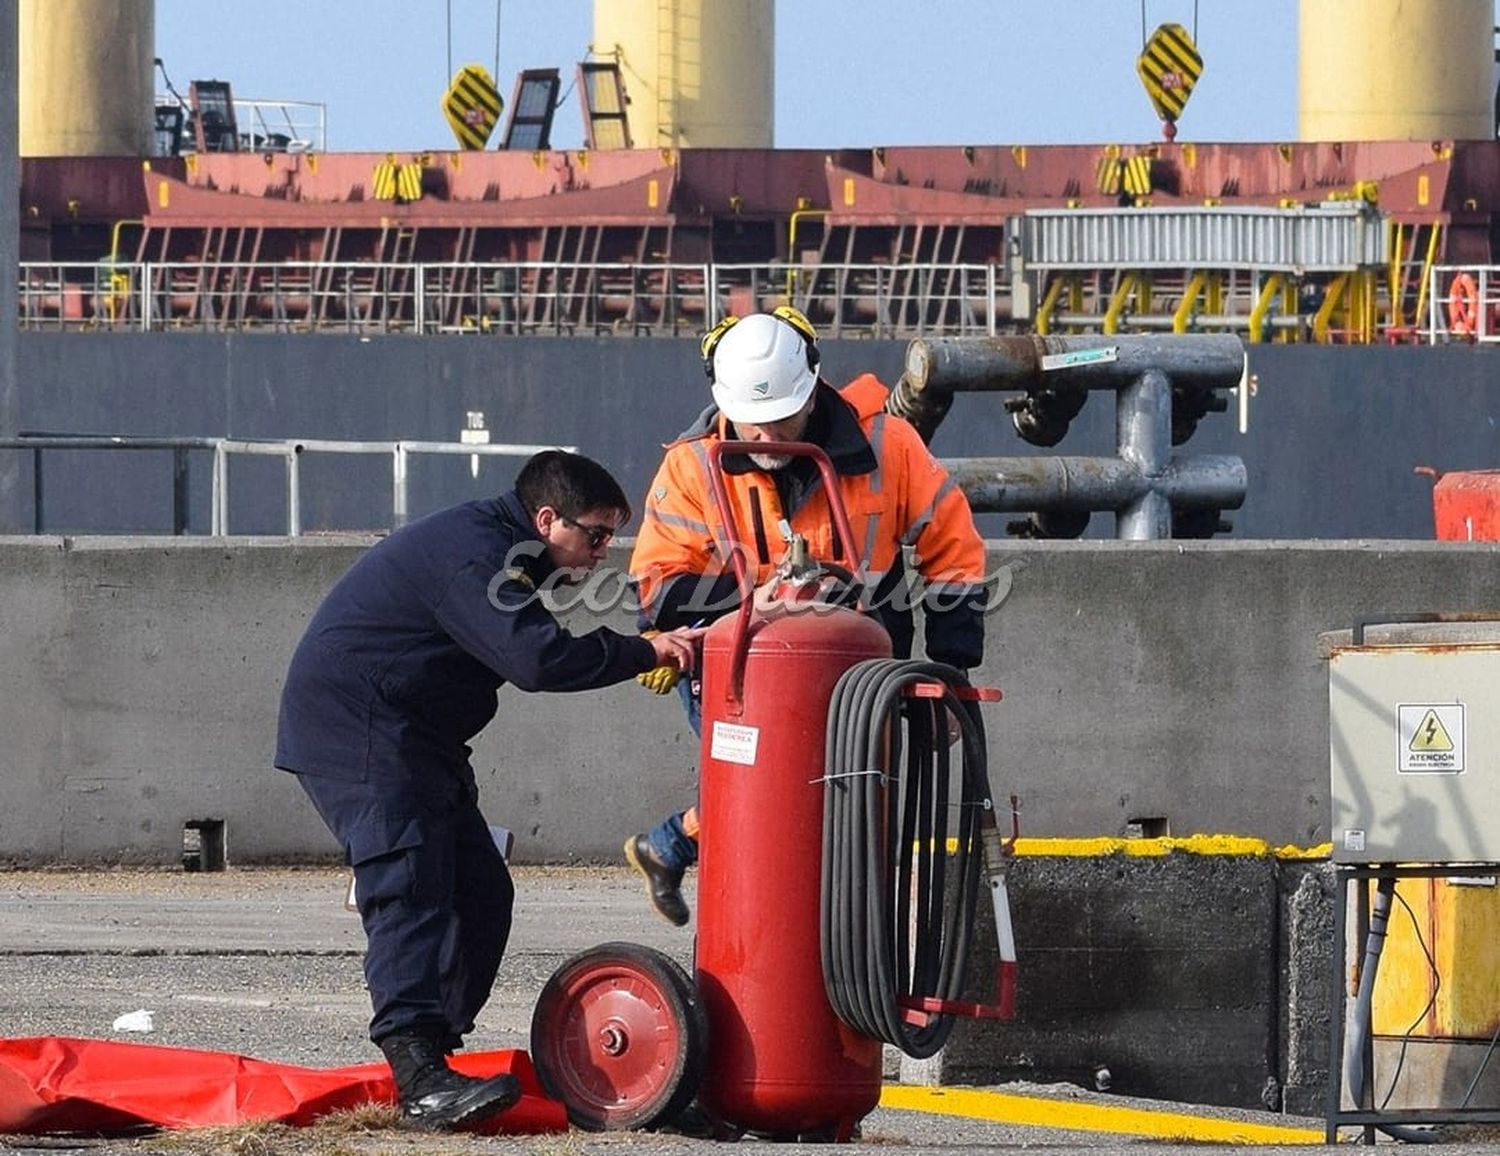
1431, 738
732, 743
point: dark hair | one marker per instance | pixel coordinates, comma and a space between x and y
570, 483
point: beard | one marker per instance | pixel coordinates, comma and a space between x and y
772, 461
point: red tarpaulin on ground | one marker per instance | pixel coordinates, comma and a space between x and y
57, 1084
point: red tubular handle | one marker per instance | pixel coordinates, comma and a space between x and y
740, 645
922, 1010
1005, 982
963, 693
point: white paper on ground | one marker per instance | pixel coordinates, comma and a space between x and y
136, 1021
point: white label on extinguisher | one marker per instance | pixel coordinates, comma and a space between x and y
734, 744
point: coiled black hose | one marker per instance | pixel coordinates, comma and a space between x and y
890, 928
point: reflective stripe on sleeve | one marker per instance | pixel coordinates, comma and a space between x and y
877, 443
653, 514
924, 519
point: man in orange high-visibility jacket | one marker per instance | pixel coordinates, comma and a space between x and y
766, 387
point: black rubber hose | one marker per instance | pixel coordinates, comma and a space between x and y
890, 929
1354, 1061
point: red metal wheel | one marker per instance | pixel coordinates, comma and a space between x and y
620, 1037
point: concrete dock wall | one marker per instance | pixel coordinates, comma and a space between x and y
1159, 969
1176, 686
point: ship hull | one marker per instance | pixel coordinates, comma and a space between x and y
1333, 438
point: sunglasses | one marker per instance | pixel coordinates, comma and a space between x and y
597, 535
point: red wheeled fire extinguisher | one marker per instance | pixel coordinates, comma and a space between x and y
832, 918
780, 1060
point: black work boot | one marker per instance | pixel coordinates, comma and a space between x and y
663, 883
436, 1097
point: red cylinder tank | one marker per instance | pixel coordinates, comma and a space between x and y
779, 1060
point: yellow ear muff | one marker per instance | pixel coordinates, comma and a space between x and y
711, 341
798, 321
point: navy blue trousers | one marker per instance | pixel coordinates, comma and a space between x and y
434, 894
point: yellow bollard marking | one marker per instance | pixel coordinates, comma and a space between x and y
1040, 1112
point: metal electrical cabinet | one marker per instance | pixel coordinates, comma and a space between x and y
1414, 742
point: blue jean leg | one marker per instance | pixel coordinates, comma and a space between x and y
672, 844
690, 690
668, 840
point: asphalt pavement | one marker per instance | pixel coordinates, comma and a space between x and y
266, 963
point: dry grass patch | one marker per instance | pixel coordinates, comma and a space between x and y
337, 1134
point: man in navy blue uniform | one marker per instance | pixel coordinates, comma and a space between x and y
397, 671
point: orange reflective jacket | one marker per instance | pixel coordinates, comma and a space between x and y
903, 497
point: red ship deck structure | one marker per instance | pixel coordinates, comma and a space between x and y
1326, 242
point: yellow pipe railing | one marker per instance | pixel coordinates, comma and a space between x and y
791, 246
1369, 284
1268, 294
1075, 296
1331, 298
1182, 318
1049, 303
117, 298
1395, 286
1435, 231
114, 236
1123, 292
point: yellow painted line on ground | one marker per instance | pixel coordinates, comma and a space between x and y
1040, 1112
1192, 844
1160, 847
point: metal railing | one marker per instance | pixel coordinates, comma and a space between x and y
843, 300
1330, 237
289, 450
520, 299
1463, 304
293, 126
283, 126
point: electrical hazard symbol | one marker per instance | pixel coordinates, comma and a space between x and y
1431, 738
1431, 735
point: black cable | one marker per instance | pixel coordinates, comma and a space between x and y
165, 79
1437, 984
890, 929
1484, 1063
1359, 1054
497, 43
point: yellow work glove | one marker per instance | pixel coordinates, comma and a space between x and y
660, 679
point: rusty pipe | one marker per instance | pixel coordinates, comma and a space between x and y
1056, 484
1190, 361
925, 410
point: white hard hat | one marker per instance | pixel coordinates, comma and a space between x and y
764, 370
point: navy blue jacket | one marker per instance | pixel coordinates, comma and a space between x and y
400, 665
